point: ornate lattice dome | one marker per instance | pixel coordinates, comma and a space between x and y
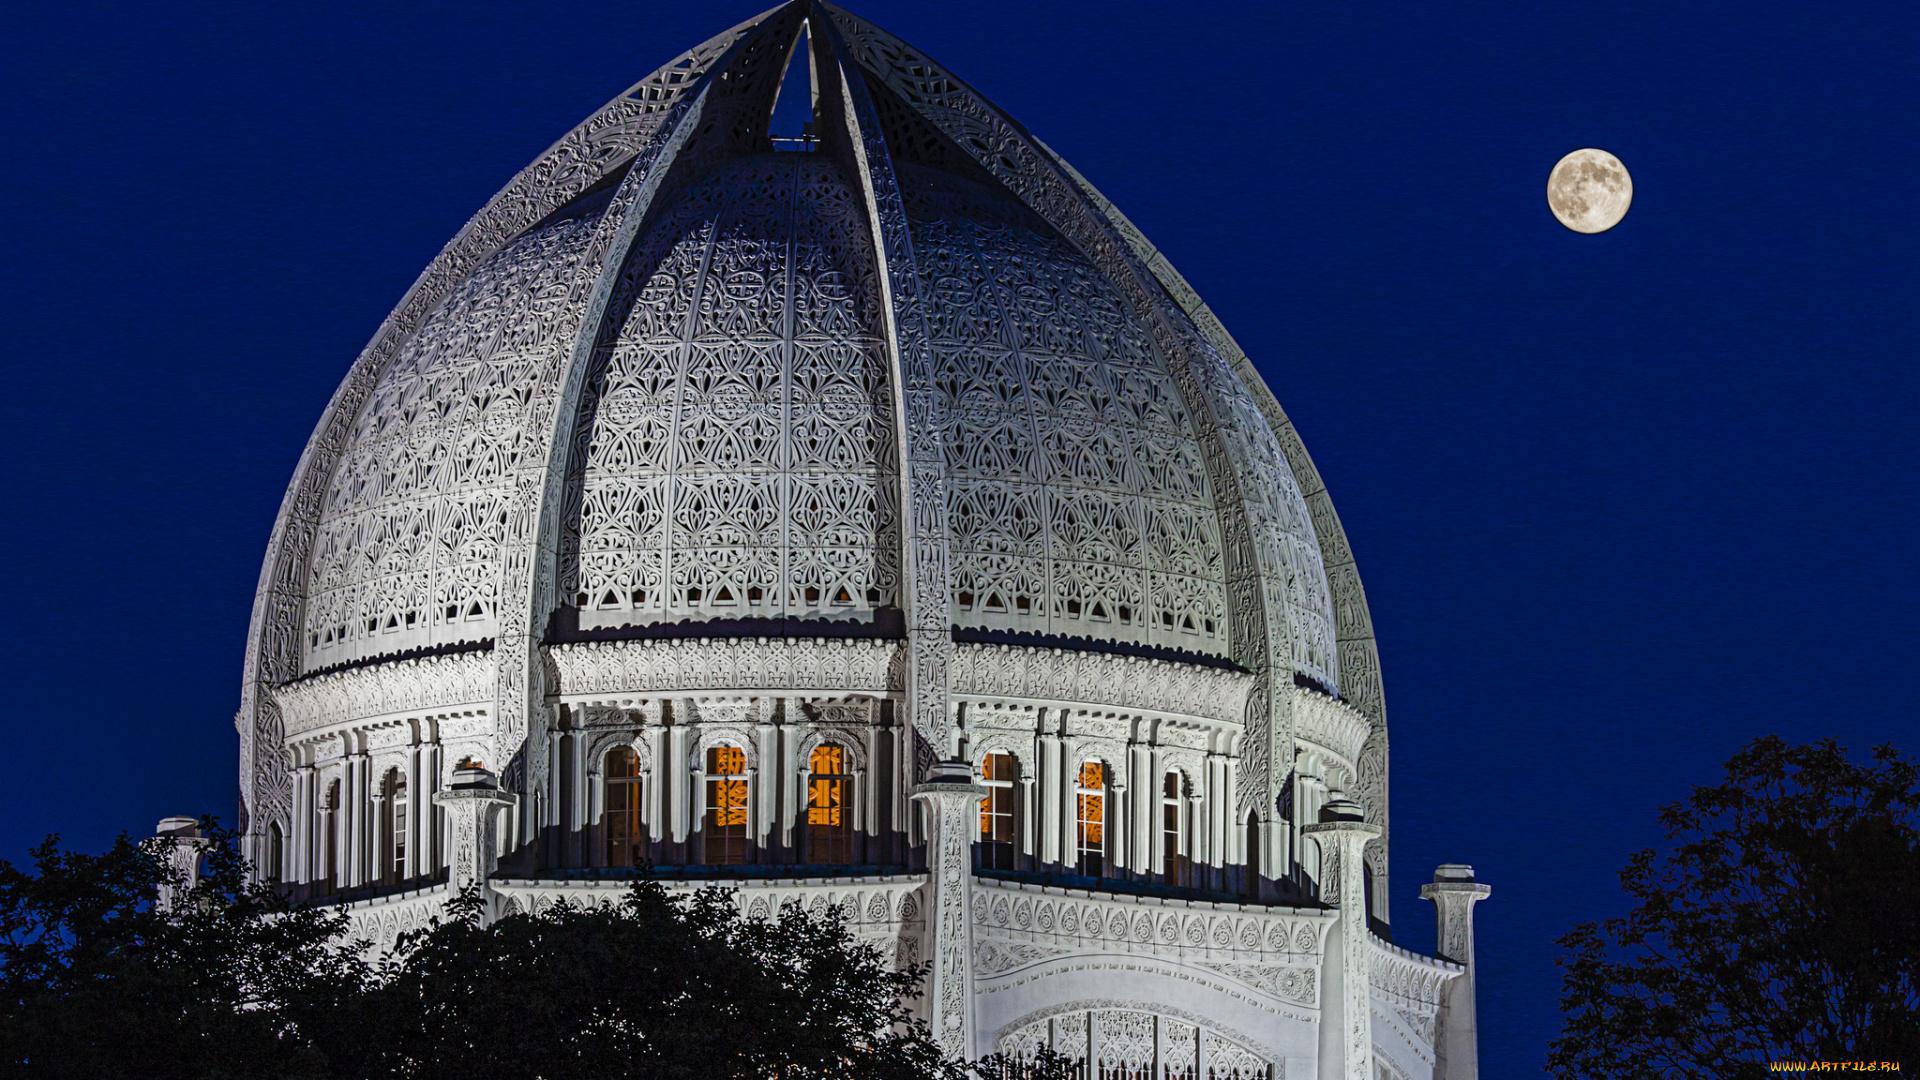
908, 379
733, 452
874, 519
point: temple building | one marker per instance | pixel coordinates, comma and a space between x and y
867, 516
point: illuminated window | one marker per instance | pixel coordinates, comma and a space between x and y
1090, 830
998, 849
394, 787
829, 807
622, 817
725, 828
1175, 865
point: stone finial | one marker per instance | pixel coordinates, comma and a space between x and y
181, 846
473, 803
1454, 892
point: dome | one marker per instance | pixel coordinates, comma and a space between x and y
869, 517
908, 380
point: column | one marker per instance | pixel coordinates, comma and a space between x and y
576, 788
1144, 779
950, 804
1454, 892
418, 807
182, 847
675, 766
473, 803
432, 853
1047, 772
378, 855
353, 814
302, 830
1346, 1042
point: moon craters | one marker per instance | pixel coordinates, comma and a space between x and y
1589, 191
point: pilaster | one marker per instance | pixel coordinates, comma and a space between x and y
473, 804
1347, 1039
950, 801
1454, 892
181, 848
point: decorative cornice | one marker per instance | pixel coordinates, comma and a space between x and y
1078, 921
652, 666
1123, 682
1407, 979
430, 682
1329, 723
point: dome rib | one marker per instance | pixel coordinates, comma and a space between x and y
605, 142
1281, 581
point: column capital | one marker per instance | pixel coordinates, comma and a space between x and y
181, 847
472, 803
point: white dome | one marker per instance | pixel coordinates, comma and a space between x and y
919, 383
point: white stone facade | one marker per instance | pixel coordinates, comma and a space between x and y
873, 520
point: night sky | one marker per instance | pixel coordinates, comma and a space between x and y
1621, 502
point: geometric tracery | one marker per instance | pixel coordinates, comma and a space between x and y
1080, 505
407, 549
737, 443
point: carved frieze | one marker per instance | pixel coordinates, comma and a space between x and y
1126, 682
427, 684
674, 665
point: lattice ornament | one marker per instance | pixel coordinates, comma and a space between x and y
738, 452
1078, 501
407, 550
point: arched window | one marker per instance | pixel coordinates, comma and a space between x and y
1175, 865
998, 848
276, 850
725, 828
394, 828
1090, 828
829, 807
625, 844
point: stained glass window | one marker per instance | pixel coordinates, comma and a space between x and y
998, 848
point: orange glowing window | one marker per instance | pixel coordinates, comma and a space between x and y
725, 827
829, 807
1090, 842
998, 849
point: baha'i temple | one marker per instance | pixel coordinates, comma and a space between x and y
870, 518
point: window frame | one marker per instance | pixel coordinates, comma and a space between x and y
625, 822
1090, 855
719, 838
990, 851
839, 787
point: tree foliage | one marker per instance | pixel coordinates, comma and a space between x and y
235, 982
99, 982
1782, 926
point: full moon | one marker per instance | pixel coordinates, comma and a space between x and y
1589, 191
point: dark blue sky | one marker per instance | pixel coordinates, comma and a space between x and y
1621, 501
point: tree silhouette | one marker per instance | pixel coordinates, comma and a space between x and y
1782, 926
234, 982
